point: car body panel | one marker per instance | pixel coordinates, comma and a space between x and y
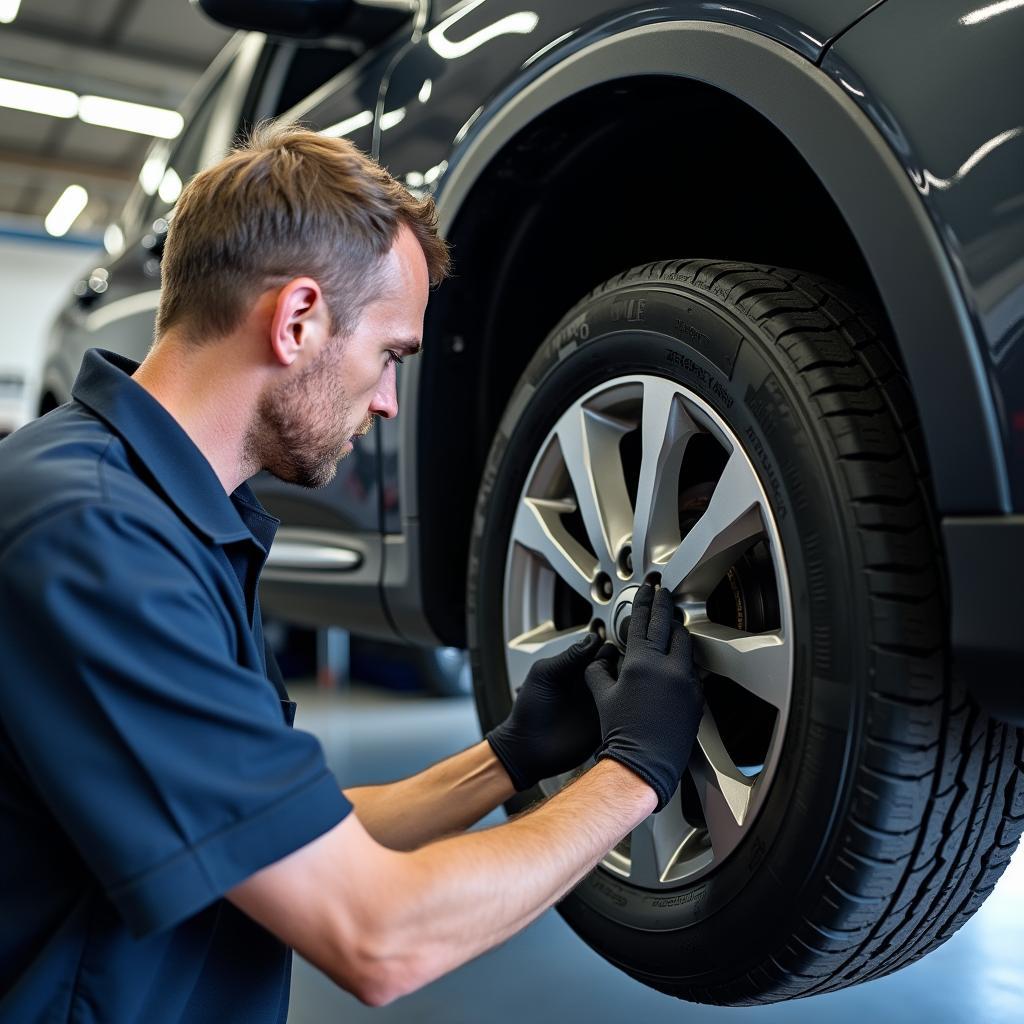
914, 76
861, 173
439, 104
460, 73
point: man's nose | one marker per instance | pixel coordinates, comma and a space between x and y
385, 402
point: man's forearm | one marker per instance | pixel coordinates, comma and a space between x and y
468, 893
448, 797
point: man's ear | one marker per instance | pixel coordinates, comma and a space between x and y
299, 323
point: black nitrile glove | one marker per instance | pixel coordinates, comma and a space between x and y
650, 712
552, 727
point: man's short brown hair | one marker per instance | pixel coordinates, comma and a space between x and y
286, 203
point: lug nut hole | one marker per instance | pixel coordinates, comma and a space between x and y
602, 588
624, 562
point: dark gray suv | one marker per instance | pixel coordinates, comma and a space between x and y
739, 302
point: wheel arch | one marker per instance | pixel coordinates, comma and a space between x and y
857, 206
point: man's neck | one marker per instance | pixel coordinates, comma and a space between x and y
211, 395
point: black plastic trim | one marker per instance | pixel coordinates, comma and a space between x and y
985, 557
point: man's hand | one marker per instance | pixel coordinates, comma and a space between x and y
651, 706
553, 725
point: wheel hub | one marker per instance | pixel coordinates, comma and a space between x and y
621, 616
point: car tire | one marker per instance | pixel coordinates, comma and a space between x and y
894, 802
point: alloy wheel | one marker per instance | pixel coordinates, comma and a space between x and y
640, 478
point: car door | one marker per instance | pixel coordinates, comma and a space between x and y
326, 563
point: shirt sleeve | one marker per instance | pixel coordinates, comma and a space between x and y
167, 764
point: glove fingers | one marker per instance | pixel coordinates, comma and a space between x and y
681, 650
659, 630
582, 652
640, 614
601, 673
576, 656
609, 656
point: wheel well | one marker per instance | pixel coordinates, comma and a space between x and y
625, 173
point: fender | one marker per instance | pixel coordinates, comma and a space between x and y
864, 178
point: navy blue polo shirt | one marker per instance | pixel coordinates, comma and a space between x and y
146, 764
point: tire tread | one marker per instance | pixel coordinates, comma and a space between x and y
933, 823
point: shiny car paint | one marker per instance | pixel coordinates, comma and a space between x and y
908, 117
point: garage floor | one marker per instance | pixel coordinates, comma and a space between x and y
545, 974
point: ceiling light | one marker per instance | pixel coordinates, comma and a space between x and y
37, 99
66, 210
8, 11
130, 117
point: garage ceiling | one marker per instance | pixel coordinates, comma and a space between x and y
143, 51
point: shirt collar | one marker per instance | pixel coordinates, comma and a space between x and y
185, 477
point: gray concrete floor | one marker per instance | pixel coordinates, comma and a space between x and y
546, 974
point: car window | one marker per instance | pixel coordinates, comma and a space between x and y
168, 181
289, 72
308, 69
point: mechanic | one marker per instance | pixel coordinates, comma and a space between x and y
167, 836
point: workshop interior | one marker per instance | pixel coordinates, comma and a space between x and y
736, 307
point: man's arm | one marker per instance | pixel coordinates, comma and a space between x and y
381, 923
552, 728
448, 797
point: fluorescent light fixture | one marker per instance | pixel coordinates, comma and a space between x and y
130, 117
170, 187
66, 210
425, 90
8, 11
127, 117
37, 99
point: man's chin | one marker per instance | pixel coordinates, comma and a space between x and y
311, 478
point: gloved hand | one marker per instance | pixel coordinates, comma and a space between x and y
552, 727
651, 706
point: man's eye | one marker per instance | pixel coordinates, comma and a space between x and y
394, 357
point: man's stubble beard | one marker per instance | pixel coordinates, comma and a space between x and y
294, 432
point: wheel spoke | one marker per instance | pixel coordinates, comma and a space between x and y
589, 442
544, 641
654, 843
724, 791
538, 527
759, 662
729, 526
666, 429
644, 865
